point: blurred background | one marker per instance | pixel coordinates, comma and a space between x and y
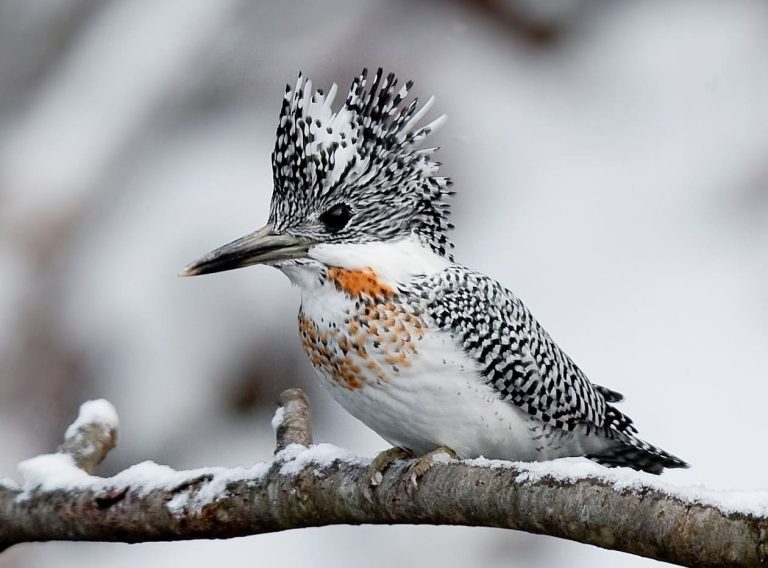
611, 163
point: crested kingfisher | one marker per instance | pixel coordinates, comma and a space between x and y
431, 355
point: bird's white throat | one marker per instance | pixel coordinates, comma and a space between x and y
393, 262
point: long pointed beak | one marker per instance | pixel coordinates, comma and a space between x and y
259, 247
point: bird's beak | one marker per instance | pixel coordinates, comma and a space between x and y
259, 247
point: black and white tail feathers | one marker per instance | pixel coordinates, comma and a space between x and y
639, 455
630, 451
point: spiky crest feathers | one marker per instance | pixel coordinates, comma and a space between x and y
365, 153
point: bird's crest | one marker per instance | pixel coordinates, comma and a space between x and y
364, 155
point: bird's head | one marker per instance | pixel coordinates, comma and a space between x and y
347, 177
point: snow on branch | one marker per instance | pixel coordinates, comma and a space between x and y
307, 485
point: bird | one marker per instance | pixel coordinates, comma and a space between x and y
431, 355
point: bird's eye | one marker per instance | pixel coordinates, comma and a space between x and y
336, 218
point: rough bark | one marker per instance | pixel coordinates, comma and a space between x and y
308, 487
295, 422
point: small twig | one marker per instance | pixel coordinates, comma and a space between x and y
90, 438
292, 422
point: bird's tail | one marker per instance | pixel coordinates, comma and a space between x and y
629, 451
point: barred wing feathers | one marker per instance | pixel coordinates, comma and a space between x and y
524, 365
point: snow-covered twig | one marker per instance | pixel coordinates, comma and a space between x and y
317, 485
91, 437
292, 421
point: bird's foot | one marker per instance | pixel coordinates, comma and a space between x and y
422, 465
383, 460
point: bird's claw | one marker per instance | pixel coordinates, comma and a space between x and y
422, 465
383, 460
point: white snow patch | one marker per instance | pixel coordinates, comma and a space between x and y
492, 464
442, 457
58, 471
571, 470
6, 483
296, 457
50, 472
178, 504
148, 476
277, 419
215, 488
99, 412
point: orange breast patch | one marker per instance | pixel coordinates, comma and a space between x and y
359, 282
375, 341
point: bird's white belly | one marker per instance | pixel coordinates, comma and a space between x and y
441, 401
411, 383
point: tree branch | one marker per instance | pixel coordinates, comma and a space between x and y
322, 485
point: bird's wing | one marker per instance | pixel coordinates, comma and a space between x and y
517, 356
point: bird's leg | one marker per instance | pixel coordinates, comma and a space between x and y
383, 460
423, 464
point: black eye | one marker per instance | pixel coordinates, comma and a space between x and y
336, 218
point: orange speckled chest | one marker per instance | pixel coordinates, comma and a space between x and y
375, 338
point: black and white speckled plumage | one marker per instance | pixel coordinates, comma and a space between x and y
526, 367
366, 157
